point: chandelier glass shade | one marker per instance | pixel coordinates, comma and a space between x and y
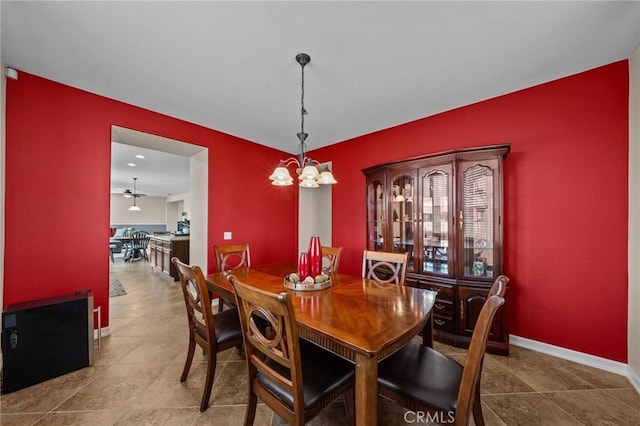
311, 173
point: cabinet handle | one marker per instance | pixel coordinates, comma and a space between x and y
460, 220
462, 309
438, 321
439, 306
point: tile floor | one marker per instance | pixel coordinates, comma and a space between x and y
135, 378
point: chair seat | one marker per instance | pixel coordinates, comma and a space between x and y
227, 325
423, 374
322, 373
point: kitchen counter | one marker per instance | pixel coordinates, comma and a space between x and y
170, 237
163, 247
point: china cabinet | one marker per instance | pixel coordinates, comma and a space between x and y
445, 210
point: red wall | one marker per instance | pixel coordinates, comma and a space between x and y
58, 155
565, 200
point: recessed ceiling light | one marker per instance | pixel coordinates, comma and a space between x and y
131, 164
140, 156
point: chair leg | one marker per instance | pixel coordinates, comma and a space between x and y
187, 364
208, 384
250, 413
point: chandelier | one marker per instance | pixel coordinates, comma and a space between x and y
310, 172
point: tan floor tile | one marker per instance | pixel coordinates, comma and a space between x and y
94, 418
528, 409
161, 416
45, 396
600, 379
158, 348
447, 349
496, 379
391, 414
590, 408
119, 323
490, 418
114, 348
168, 391
120, 387
628, 396
233, 415
541, 372
19, 419
231, 387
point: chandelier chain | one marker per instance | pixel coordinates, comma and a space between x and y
302, 110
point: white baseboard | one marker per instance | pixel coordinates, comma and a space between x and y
579, 357
104, 331
634, 378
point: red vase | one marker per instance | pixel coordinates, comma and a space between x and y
303, 266
315, 256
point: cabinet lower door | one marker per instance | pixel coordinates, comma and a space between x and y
166, 258
153, 249
471, 301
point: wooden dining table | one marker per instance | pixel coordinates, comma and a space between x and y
360, 319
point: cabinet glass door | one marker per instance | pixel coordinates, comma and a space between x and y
403, 217
436, 187
375, 215
477, 218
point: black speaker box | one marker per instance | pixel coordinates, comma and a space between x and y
46, 338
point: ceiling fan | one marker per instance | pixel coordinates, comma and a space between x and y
134, 194
128, 193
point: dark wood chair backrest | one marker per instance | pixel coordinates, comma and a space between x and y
232, 256
281, 345
385, 267
198, 304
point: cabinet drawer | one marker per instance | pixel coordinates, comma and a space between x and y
445, 292
444, 324
443, 308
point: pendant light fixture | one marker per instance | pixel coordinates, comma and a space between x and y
310, 173
135, 195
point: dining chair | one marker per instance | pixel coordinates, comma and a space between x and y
213, 333
139, 245
231, 257
292, 376
422, 379
385, 267
332, 255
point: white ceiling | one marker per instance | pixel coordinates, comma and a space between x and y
230, 65
164, 170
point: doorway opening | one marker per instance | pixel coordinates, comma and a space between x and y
194, 201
